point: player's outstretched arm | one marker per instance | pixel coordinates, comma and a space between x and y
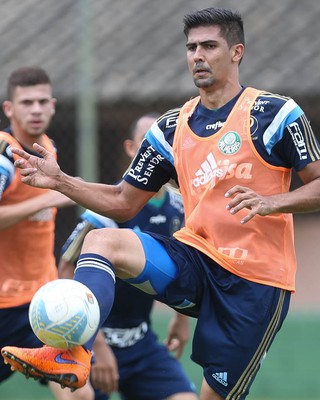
11, 214
119, 202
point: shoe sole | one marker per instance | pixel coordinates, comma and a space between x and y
65, 380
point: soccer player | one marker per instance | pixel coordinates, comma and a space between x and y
27, 214
231, 150
128, 358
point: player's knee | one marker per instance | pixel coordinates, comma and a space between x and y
108, 242
98, 239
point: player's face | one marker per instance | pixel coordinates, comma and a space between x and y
143, 125
31, 109
210, 60
131, 146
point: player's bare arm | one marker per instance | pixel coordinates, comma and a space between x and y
302, 200
104, 372
120, 202
178, 334
14, 213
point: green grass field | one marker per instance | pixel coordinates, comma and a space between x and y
290, 371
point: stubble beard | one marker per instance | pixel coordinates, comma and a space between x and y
204, 83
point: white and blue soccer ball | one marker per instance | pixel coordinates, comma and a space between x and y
64, 313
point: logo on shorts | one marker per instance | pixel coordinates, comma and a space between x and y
221, 377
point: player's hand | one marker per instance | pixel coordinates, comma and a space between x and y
104, 371
245, 198
35, 171
178, 334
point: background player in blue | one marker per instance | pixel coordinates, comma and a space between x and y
144, 367
233, 263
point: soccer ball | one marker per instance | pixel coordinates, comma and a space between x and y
64, 313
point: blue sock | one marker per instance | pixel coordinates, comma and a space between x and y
96, 272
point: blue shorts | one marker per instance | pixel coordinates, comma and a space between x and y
151, 374
237, 319
15, 330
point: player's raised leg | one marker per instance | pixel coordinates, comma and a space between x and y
71, 367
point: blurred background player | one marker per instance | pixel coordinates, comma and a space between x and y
27, 215
128, 356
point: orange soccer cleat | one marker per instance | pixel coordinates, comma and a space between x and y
70, 367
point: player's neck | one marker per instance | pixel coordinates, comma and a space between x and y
215, 98
25, 139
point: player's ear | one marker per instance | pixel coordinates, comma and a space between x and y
7, 108
53, 102
128, 146
237, 52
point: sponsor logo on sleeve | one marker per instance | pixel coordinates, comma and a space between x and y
145, 165
298, 140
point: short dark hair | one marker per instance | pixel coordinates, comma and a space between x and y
230, 23
26, 76
133, 126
